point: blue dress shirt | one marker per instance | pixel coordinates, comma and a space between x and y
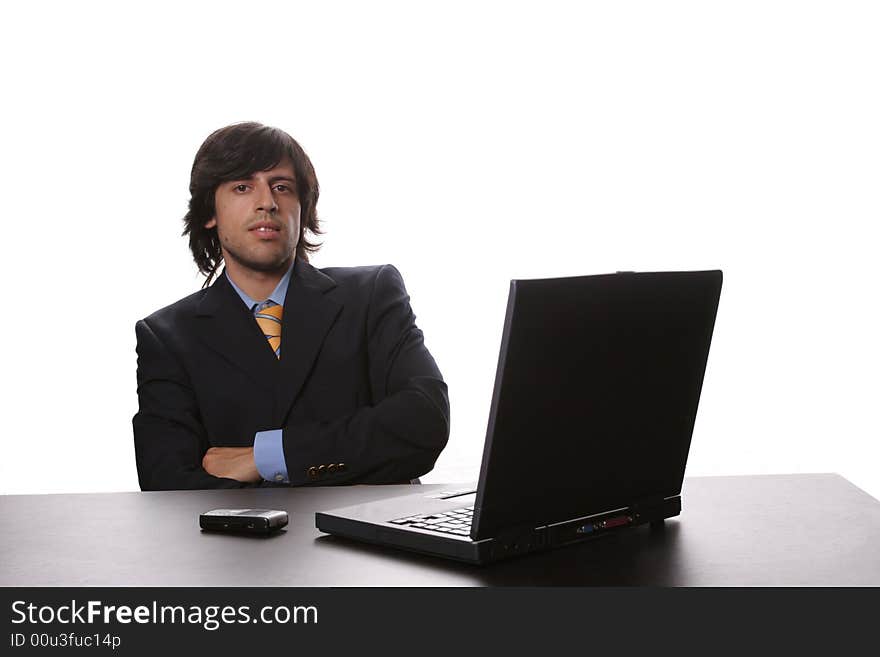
268, 448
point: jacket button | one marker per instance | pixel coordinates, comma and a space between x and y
341, 467
321, 470
313, 472
331, 469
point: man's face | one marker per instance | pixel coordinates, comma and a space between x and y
258, 219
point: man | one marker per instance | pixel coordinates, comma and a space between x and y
280, 373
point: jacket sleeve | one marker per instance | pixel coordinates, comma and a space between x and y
401, 435
169, 438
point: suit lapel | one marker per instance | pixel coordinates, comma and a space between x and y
228, 327
309, 312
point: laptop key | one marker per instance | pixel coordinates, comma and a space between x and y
449, 521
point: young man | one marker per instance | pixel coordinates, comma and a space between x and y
280, 373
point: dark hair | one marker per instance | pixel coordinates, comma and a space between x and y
239, 151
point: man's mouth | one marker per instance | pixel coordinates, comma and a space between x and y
265, 227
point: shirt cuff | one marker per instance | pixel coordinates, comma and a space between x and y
269, 456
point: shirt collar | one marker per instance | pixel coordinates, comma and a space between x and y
278, 294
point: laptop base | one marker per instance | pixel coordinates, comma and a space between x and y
508, 544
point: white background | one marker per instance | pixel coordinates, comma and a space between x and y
467, 143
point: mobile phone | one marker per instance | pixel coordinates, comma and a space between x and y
246, 521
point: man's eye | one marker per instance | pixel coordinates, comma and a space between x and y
241, 188
282, 188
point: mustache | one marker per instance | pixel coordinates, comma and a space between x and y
264, 221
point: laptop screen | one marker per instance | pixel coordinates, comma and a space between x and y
596, 395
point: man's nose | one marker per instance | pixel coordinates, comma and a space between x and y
265, 199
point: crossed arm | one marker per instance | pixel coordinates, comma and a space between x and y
398, 437
232, 463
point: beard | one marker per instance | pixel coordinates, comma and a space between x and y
265, 263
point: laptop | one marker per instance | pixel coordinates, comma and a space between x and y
594, 405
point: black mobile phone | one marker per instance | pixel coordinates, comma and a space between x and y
247, 521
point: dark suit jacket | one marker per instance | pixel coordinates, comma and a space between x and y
355, 387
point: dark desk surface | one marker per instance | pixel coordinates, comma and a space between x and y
772, 530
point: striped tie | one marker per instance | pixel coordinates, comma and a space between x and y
269, 320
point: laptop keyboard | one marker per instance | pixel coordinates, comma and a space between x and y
456, 521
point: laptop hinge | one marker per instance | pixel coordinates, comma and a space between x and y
648, 503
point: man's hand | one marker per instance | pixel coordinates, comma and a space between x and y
232, 463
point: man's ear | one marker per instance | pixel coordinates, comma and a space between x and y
210, 223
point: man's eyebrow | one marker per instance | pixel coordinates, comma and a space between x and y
272, 179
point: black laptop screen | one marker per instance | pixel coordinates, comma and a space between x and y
596, 395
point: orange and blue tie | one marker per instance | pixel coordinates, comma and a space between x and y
269, 320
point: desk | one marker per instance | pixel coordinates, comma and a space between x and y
775, 530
